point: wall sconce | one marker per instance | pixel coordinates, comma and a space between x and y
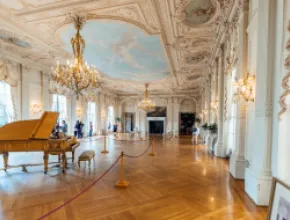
214, 105
245, 88
103, 114
36, 108
79, 112
205, 112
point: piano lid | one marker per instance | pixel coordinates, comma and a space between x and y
30, 129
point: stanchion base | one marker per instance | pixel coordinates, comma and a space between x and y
122, 184
152, 154
104, 152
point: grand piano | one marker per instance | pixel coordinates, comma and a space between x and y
34, 136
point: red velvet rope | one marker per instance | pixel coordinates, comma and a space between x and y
93, 139
79, 194
132, 156
128, 140
92, 184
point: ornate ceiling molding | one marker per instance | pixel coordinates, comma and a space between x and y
189, 47
209, 10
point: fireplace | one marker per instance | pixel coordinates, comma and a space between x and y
156, 125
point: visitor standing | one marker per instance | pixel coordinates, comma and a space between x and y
64, 127
80, 130
76, 129
195, 133
91, 129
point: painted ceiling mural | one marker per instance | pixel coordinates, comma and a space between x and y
123, 51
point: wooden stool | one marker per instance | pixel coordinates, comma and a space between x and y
87, 156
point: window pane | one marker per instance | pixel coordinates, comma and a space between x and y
91, 115
6, 104
59, 105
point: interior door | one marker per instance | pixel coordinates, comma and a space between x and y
128, 122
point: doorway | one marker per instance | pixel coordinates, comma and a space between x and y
156, 127
186, 123
129, 122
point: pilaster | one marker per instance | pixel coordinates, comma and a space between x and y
258, 175
209, 99
219, 148
238, 162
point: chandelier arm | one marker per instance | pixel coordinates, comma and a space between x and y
84, 87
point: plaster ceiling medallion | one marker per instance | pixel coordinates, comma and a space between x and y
196, 58
11, 38
123, 51
195, 13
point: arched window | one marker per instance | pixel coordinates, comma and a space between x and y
91, 115
59, 104
110, 118
6, 104
232, 108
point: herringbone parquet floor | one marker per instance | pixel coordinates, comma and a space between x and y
181, 182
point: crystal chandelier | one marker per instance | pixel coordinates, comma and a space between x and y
76, 75
146, 105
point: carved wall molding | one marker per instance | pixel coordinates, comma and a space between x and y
225, 104
285, 81
267, 111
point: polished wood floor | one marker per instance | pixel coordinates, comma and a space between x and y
181, 182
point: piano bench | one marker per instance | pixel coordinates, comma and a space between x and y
72, 149
87, 156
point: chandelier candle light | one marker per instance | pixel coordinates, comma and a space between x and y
146, 105
245, 88
76, 75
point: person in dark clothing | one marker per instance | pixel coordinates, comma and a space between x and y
55, 131
80, 130
76, 128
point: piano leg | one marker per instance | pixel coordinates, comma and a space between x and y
5, 159
63, 162
73, 155
45, 158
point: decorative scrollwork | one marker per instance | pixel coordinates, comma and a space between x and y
285, 82
284, 95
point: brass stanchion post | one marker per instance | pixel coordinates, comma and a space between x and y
122, 183
152, 147
105, 146
165, 139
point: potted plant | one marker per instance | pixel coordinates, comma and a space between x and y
205, 126
213, 128
117, 120
197, 120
